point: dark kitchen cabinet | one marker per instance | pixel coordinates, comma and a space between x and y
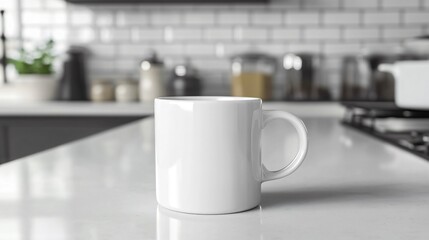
23, 136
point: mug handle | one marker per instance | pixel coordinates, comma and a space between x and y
270, 115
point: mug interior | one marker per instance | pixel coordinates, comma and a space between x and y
208, 99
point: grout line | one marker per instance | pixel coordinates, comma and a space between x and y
321, 17
19, 23
379, 5
401, 17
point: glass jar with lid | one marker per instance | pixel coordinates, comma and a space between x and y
252, 75
152, 82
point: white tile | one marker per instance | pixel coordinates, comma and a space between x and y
321, 4
32, 4
31, 32
8, 4
266, 18
361, 33
341, 48
216, 64
133, 50
250, 34
235, 48
341, 18
104, 19
388, 47
165, 18
304, 47
401, 33
150, 34
321, 33
381, 18
114, 35
419, 17
220, 50
364, 4
102, 50
168, 34
233, 18
59, 33
126, 18
101, 65
186, 34
36, 17
59, 18
217, 33
169, 49
286, 33
55, 4
171, 61
62, 47
46, 33
44, 17
82, 35
275, 49
302, 18
426, 30
199, 18
126, 65
200, 49
81, 17
282, 4
400, 3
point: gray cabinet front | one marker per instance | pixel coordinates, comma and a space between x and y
22, 136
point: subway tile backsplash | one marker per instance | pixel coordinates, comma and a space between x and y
119, 36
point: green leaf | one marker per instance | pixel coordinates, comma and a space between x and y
38, 62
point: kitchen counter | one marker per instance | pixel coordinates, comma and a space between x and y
143, 109
74, 109
351, 186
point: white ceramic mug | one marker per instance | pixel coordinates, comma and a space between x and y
208, 154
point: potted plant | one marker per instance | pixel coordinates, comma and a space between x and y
36, 79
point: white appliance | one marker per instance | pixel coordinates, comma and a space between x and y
411, 83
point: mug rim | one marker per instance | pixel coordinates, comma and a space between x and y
208, 99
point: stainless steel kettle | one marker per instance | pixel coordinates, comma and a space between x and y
304, 77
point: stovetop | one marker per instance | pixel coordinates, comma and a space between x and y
405, 128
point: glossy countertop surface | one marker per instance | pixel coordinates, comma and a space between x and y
75, 108
351, 186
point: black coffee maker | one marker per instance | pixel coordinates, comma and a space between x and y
73, 83
184, 81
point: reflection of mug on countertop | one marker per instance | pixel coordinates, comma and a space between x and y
208, 153
182, 226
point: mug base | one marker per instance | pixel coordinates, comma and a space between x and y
209, 213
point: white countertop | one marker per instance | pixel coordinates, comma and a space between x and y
351, 186
144, 109
75, 109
